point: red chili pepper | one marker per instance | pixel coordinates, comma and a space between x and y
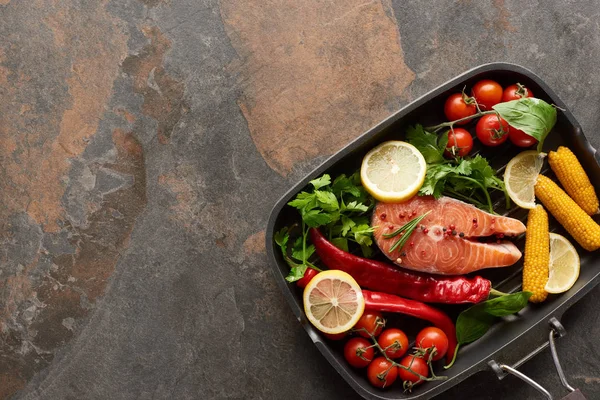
383, 277
384, 302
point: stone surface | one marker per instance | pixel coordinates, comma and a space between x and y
143, 143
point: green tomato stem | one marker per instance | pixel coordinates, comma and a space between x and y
450, 124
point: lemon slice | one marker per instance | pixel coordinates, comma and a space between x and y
333, 301
520, 176
393, 171
564, 265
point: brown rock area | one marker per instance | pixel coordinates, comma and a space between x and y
314, 75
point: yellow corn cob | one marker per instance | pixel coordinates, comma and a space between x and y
573, 178
537, 254
579, 225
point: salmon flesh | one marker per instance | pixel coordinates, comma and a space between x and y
446, 240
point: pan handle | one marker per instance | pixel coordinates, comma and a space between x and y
556, 329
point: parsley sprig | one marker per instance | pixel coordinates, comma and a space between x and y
340, 208
469, 179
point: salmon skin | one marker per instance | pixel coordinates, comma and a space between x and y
445, 242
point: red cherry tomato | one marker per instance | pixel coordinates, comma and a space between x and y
460, 143
488, 93
308, 275
456, 108
394, 342
489, 132
430, 337
372, 321
516, 92
416, 364
520, 138
336, 336
358, 352
381, 373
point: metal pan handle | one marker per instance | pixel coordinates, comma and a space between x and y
556, 329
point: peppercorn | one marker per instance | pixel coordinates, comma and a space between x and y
453, 232
462, 234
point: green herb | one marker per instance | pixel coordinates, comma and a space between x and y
475, 321
429, 144
533, 116
408, 229
339, 208
467, 179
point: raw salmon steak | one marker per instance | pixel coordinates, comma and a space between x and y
445, 242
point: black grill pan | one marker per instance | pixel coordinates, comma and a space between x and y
510, 342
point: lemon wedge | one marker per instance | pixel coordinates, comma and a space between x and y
520, 176
333, 301
393, 172
564, 265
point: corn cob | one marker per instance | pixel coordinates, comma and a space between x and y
537, 254
573, 178
579, 225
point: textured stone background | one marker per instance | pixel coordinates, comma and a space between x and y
143, 143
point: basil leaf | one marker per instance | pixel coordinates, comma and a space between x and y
533, 116
506, 305
475, 321
472, 324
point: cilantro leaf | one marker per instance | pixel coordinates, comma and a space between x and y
427, 143
356, 206
342, 184
340, 243
281, 237
323, 181
327, 200
363, 234
302, 254
316, 218
304, 201
347, 224
296, 273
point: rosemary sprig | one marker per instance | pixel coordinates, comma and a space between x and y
408, 229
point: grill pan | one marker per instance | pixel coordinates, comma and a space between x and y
513, 340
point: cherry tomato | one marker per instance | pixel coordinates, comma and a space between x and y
456, 108
416, 364
394, 342
336, 336
433, 336
358, 352
460, 143
489, 132
308, 275
516, 92
488, 93
381, 373
372, 321
520, 138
